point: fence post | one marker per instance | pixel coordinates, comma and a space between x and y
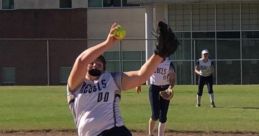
48, 72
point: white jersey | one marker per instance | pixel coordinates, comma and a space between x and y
159, 77
96, 105
206, 68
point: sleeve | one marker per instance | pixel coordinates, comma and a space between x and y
70, 96
70, 101
212, 68
171, 68
212, 64
197, 63
117, 78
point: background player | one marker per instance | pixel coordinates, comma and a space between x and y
94, 94
162, 79
204, 69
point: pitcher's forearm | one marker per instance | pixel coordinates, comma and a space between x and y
149, 67
95, 51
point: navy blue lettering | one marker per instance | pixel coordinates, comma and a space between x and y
161, 71
94, 88
89, 88
100, 97
106, 96
99, 87
203, 67
104, 82
83, 88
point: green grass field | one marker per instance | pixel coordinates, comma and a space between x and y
44, 107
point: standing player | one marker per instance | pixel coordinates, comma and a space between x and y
94, 94
162, 80
204, 69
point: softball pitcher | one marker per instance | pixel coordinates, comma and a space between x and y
93, 94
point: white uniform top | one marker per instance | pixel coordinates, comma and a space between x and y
96, 105
159, 77
205, 67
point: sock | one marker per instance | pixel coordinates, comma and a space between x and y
198, 99
161, 129
211, 98
151, 127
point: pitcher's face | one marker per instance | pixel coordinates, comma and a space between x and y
95, 68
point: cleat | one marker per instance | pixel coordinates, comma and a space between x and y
212, 105
198, 105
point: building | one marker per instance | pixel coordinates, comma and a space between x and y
39, 40
229, 29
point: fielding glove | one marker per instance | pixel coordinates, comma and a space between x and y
167, 42
168, 94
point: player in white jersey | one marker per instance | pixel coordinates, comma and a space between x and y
162, 79
93, 94
204, 69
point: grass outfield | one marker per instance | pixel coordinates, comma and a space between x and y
43, 107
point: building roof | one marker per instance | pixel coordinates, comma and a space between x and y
185, 1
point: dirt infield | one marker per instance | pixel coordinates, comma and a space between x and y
73, 133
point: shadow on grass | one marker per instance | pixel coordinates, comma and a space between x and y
254, 108
249, 108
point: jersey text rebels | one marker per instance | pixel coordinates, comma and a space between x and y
89, 88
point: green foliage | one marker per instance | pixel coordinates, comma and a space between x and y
43, 107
